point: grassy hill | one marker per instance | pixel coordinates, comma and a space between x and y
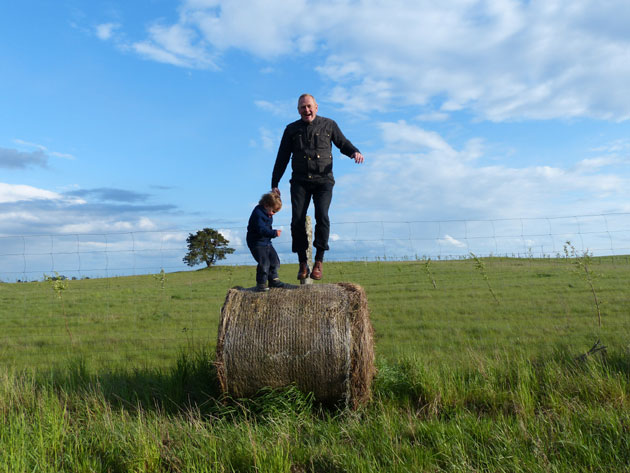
479, 370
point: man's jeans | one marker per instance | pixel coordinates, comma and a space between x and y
301, 195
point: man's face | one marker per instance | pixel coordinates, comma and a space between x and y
307, 109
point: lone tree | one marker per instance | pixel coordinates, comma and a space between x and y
206, 246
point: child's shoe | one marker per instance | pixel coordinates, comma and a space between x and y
277, 283
261, 288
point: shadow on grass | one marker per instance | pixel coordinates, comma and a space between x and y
190, 386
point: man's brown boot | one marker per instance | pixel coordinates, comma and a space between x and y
317, 271
303, 271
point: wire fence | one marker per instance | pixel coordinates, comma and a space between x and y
128, 298
29, 257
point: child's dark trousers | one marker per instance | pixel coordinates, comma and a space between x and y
268, 263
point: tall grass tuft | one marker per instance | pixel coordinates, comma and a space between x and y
584, 266
496, 414
481, 267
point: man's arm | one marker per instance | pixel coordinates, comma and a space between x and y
344, 144
282, 159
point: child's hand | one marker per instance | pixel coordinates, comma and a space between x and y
279, 232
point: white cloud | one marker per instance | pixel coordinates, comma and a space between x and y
434, 116
616, 146
108, 225
277, 108
418, 175
44, 149
232, 236
29, 144
17, 193
409, 137
177, 44
264, 28
25, 217
150, 51
208, 28
594, 164
105, 31
62, 155
449, 240
27, 210
145, 223
268, 140
502, 59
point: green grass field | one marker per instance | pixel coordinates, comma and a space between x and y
479, 369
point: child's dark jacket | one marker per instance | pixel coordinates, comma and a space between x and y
259, 231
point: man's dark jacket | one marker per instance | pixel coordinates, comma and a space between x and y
310, 146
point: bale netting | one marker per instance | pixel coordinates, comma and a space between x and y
317, 337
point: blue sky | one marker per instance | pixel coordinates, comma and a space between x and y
153, 115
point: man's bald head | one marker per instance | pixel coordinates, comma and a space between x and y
307, 107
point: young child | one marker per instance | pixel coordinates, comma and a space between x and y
259, 235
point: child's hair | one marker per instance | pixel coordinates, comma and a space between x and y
271, 200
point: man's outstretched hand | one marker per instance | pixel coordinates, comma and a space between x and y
358, 157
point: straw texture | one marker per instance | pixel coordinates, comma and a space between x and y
318, 337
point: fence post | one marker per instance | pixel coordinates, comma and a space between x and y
309, 249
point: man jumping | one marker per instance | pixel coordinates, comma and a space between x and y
309, 142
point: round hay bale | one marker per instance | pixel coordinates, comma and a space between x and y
318, 337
